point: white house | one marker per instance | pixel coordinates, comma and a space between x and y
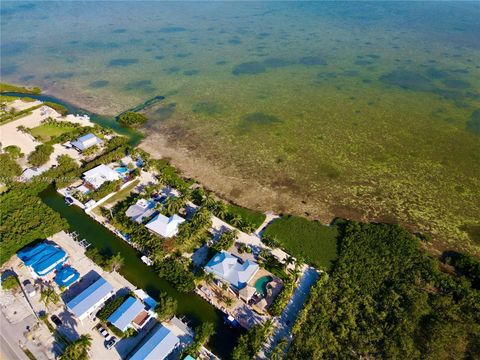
164, 226
86, 141
90, 299
229, 268
100, 174
130, 314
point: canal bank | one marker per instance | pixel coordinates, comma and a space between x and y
134, 270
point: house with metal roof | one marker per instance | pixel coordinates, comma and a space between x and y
99, 175
123, 317
90, 299
42, 258
86, 141
232, 269
157, 346
164, 226
140, 210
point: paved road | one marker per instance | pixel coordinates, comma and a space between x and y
284, 324
9, 336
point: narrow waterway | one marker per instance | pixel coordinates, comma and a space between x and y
134, 270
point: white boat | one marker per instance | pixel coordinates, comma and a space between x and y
146, 260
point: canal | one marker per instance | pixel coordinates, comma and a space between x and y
193, 307
134, 270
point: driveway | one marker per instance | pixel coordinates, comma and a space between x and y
284, 324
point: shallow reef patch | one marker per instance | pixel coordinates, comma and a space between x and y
249, 68
122, 62
98, 84
207, 108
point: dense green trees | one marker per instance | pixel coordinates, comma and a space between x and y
177, 271
25, 218
78, 350
193, 233
225, 240
386, 299
166, 307
14, 151
40, 155
203, 333
132, 119
249, 344
10, 282
9, 169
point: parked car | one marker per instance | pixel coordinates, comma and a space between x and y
103, 332
29, 289
110, 343
56, 320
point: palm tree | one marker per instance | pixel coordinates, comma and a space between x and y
209, 278
49, 296
78, 350
221, 210
289, 260
236, 220
210, 202
115, 263
174, 205
186, 195
278, 351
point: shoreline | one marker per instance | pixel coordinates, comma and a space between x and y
164, 140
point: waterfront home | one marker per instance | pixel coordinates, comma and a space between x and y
90, 299
231, 269
165, 226
86, 141
42, 259
130, 314
157, 346
97, 176
140, 210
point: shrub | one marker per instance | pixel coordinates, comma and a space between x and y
10, 282
166, 308
40, 155
14, 151
132, 119
110, 307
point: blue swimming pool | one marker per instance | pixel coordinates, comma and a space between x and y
121, 170
261, 285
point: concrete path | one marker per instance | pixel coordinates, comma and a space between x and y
285, 322
268, 219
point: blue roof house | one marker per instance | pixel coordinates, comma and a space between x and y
126, 313
159, 344
43, 258
86, 141
229, 268
90, 299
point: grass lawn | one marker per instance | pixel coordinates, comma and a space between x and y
252, 217
314, 242
119, 196
46, 132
